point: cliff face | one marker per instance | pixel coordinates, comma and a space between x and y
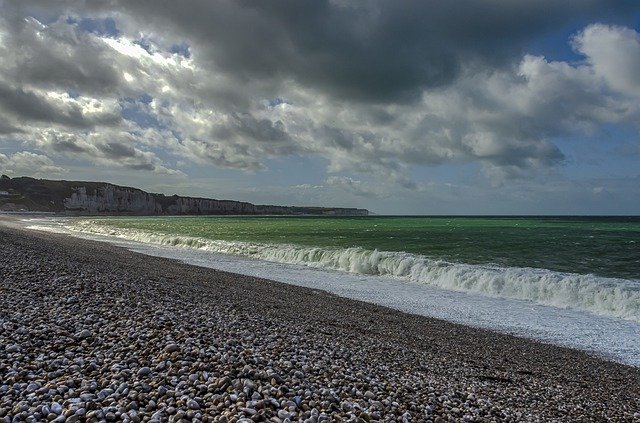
111, 199
72, 197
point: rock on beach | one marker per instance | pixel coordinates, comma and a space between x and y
146, 339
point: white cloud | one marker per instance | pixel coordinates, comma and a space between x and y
108, 148
355, 187
72, 93
613, 52
25, 163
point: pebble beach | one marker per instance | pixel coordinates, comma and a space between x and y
94, 332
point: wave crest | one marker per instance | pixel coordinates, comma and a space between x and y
612, 297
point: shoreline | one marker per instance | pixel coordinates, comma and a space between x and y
605, 336
426, 367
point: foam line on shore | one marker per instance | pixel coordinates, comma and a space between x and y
611, 338
610, 297
240, 334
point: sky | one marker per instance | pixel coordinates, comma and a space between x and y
400, 107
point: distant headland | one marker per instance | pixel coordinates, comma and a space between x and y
102, 198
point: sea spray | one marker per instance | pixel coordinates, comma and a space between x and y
613, 297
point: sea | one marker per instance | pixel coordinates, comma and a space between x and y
569, 281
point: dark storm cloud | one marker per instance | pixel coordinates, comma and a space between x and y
545, 153
26, 105
107, 148
68, 146
372, 87
116, 150
6, 127
56, 55
340, 138
125, 155
247, 127
141, 166
372, 50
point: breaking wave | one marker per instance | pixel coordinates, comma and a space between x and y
612, 297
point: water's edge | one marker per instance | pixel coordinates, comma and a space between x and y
607, 337
603, 296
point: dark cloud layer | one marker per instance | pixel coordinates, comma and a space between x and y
371, 50
57, 55
26, 106
376, 88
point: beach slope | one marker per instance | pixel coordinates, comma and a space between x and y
89, 331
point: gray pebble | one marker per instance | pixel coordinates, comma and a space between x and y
144, 371
171, 353
56, 408
85, 333
13, 348
171, 348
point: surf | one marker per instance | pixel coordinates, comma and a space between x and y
611, 297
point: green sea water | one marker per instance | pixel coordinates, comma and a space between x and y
602, 246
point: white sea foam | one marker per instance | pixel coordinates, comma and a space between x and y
611, 297
609, 337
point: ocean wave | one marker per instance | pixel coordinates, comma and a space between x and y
612, 297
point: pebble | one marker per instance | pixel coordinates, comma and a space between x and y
56, 408
183, 343
282, 414
171, 348
193, 405
85, 333
12, 348
144, 371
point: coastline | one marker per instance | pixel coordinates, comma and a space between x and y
338, 356
549, 321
